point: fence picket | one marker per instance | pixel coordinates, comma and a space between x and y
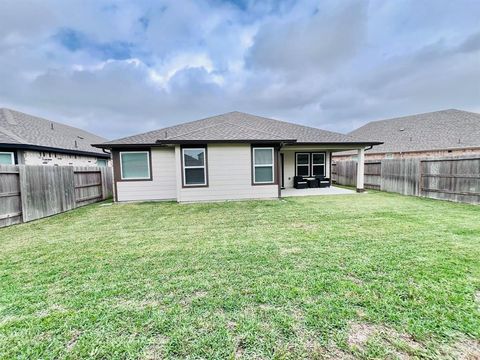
32, 192
455, 178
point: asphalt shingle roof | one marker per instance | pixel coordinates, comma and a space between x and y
439, 130
234, 126
23, 129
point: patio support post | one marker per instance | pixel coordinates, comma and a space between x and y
360, 169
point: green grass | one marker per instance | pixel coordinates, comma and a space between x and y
370, 276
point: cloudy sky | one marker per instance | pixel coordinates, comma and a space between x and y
122, 67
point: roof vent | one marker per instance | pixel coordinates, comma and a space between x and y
166, 134
9, 117
401, 129
52, 126
81, 138
459, 141
76, 144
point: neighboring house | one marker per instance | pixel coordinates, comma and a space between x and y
440, 133
30, 140
224, 157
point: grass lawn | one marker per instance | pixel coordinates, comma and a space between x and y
353, 276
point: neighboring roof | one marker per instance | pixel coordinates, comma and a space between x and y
19, 130
439, 130
234, 126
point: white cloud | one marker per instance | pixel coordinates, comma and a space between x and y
137, 65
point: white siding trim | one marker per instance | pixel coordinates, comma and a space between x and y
161, 187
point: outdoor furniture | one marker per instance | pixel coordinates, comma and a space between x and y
299, 182
323, 182
312, 182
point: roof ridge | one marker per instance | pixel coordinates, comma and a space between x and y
419, 114
188, 132
252, 128
300, 125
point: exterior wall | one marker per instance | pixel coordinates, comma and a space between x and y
31, 157
229, 176
163, 185
289, 165
409, 155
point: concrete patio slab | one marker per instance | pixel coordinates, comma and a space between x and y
332, 190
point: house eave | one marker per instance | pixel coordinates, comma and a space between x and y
163, 143
14, 146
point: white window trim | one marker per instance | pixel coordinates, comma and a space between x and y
204, 167
320, 164
12, 157
272, 165
307, 165
135, 178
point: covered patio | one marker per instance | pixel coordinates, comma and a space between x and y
306, 169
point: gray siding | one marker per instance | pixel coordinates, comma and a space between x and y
163, 185
229, 176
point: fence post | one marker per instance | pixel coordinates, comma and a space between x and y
23, 191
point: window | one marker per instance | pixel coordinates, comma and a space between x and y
263, 166
303, 164
135, 165
194, 168
102, 162
7, 158
318, 164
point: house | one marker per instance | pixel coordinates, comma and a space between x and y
30, 140
440, 133
225, 157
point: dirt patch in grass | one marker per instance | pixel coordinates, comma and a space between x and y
333, 353
71, 343
133, 304
194, 296
399, 344
156, 350
50, 310
354, 279
464, 349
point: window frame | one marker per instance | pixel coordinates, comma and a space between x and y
272, 165
12, 157
204, 167
324, 164
149, 177
308, 165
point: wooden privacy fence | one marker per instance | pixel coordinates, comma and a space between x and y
455, 178
33, 192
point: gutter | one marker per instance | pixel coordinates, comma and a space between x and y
52, 149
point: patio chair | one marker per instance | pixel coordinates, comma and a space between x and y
299, 182
313, 183
323, 181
